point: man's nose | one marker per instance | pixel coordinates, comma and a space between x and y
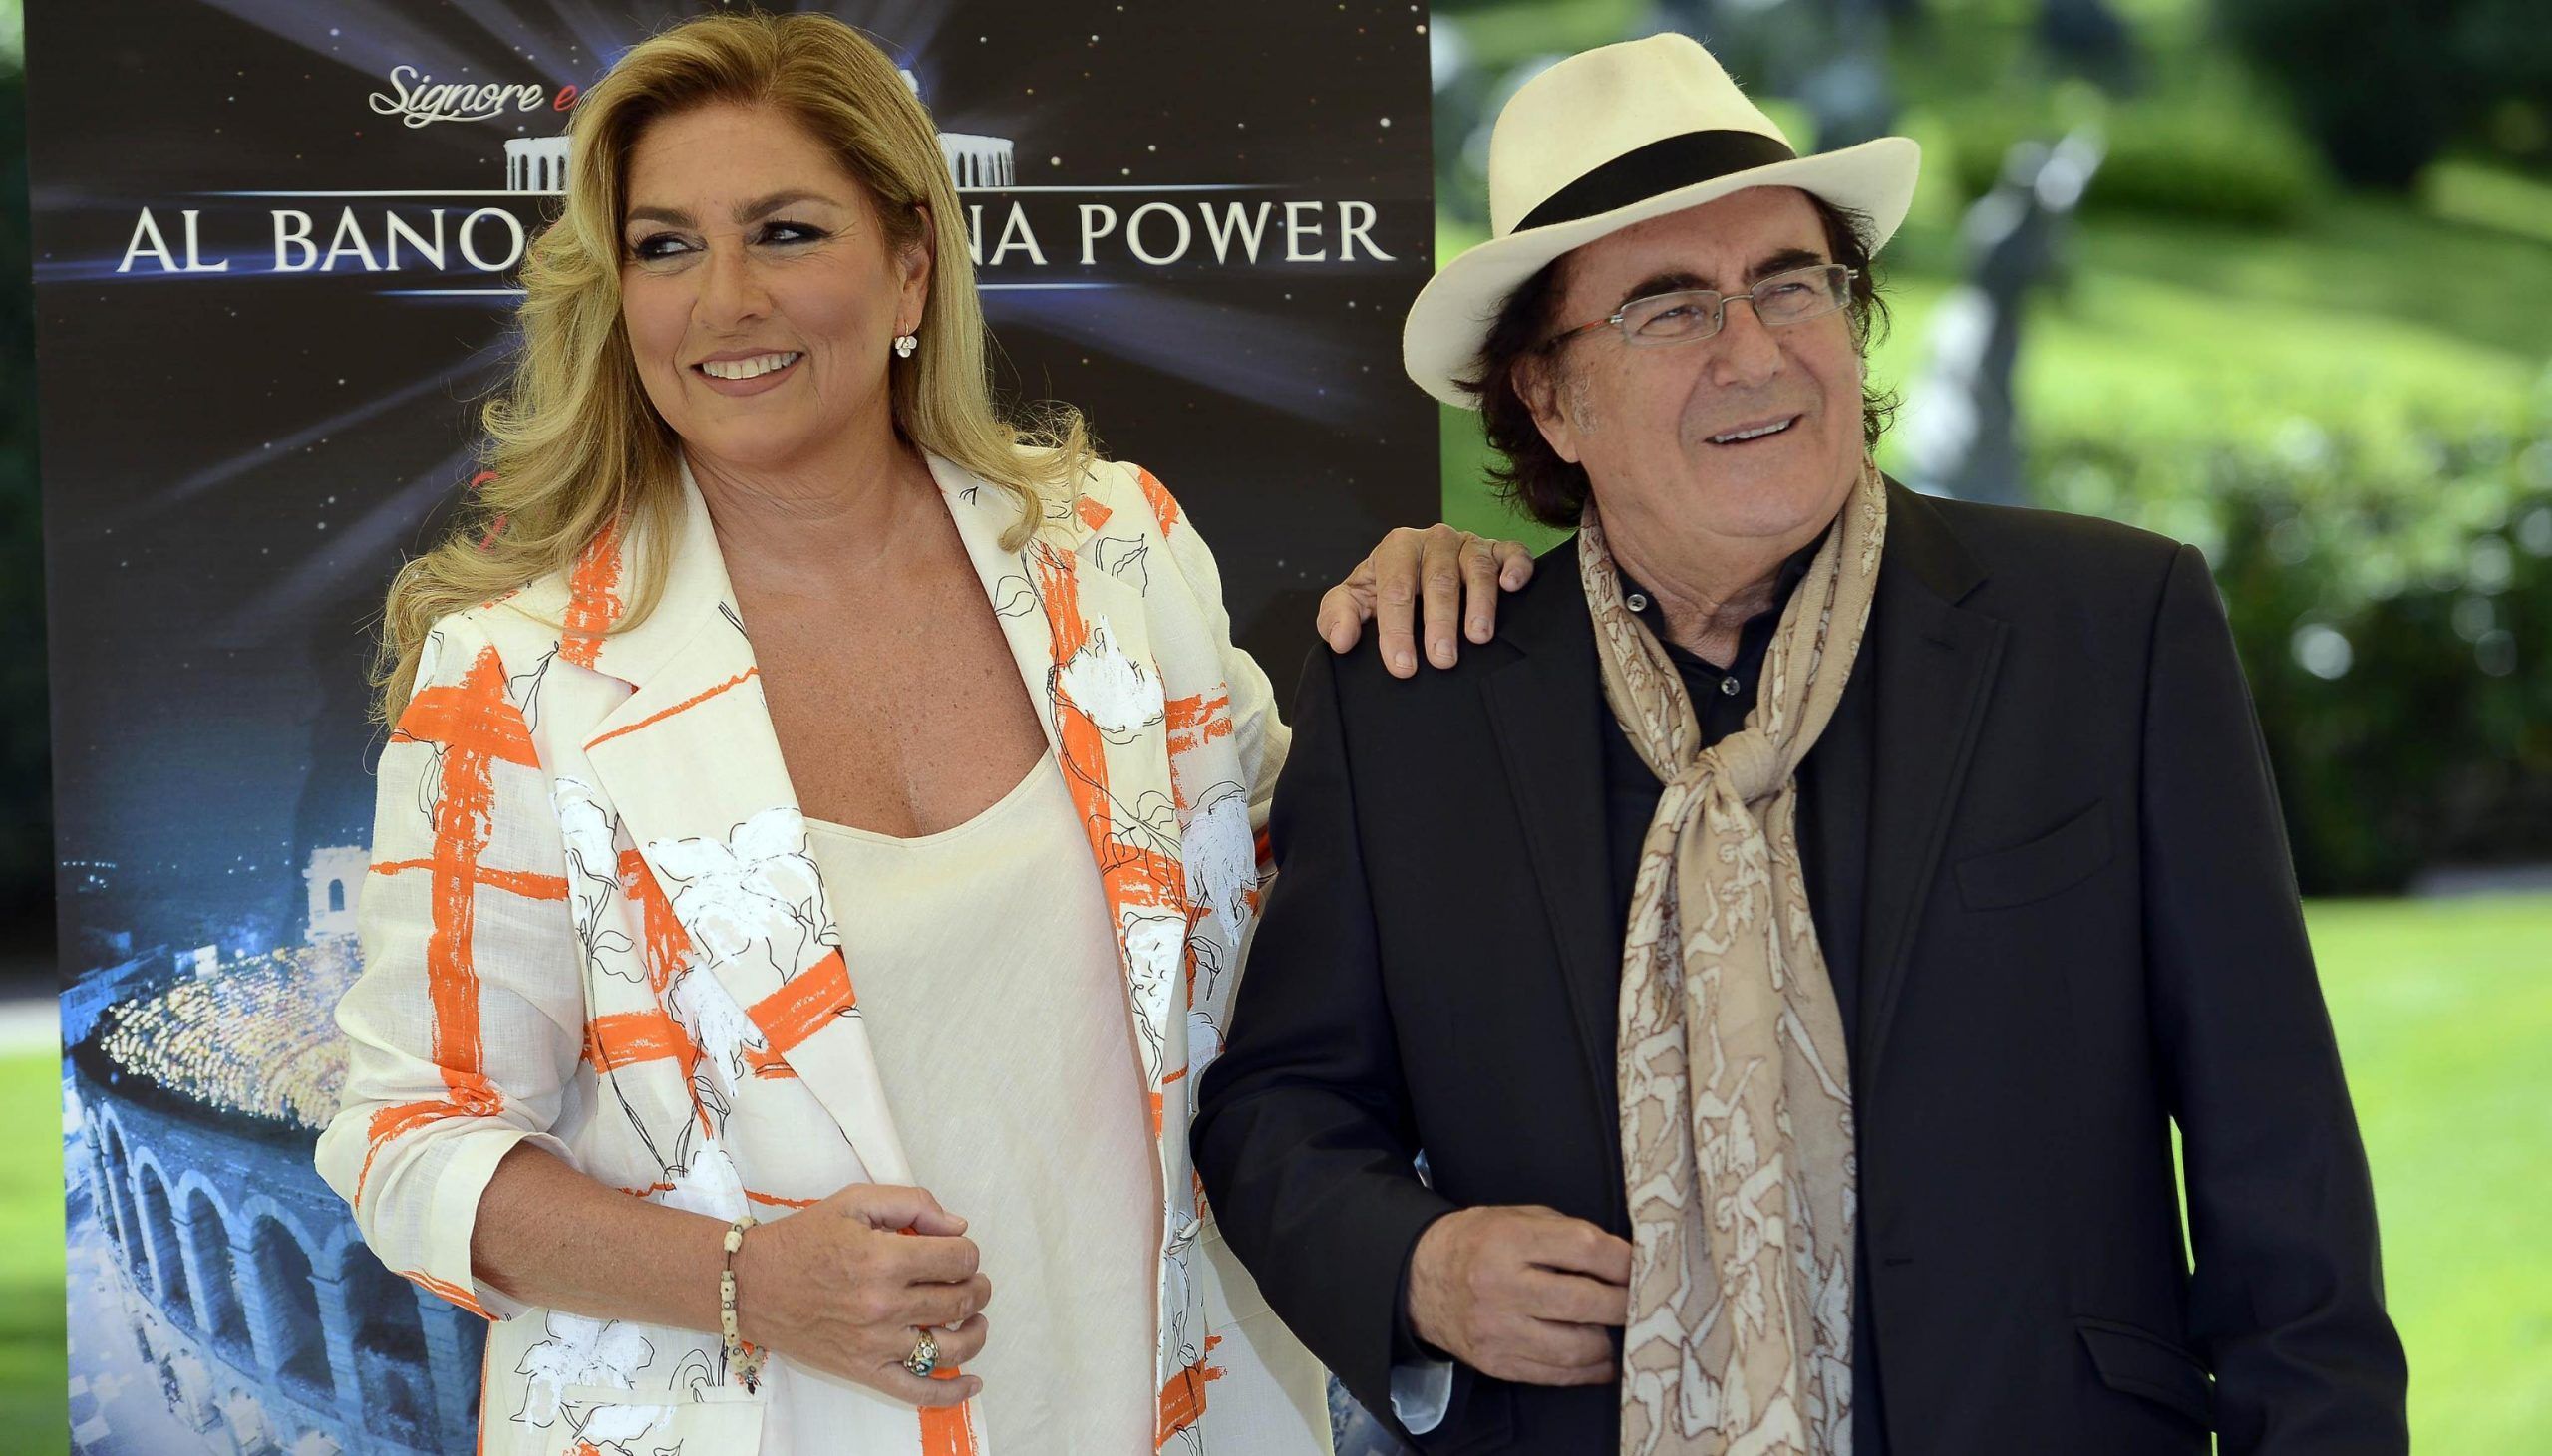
1745, 351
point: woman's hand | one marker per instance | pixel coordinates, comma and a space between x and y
1443, 572
847, 1286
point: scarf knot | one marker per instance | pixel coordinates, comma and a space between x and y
1745, 764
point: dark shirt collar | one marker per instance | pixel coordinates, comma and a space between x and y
1784, 582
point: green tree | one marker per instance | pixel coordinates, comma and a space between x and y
2386, 87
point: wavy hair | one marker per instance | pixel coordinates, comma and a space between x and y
573, 444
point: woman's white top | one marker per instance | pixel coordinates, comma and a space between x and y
986, 970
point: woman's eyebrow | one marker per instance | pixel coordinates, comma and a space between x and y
758, 209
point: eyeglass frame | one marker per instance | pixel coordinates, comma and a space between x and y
1719, 309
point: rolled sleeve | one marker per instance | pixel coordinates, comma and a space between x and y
466, 1027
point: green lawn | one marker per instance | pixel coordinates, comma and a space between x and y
2443, 1014
33, 1387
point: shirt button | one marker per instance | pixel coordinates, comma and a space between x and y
1728, 684
1636, 600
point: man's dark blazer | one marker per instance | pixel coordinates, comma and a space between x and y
2079, 924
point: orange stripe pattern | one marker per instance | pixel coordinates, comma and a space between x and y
528, 885
1164, 507
446, 1290
476, 727
1183, 1400
947, 1430
594, 597
799, 1009
694, 700
1197, 720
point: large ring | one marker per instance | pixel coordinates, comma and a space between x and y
925, 1357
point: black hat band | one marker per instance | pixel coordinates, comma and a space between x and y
1659, 168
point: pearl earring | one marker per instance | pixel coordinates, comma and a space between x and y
905, 344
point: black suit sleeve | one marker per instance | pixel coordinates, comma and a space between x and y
2286, 1300
1303, 1133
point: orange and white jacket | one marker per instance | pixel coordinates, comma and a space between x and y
591, 921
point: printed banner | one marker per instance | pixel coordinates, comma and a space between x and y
276, 245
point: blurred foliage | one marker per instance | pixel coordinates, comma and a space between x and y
2190, 130
2392, 599
2197, 154
2387, 87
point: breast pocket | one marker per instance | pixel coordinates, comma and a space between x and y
2054, 861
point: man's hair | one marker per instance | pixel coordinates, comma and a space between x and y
1551, 490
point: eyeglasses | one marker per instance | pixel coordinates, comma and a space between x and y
1682, 317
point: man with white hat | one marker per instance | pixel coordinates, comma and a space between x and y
1790, 941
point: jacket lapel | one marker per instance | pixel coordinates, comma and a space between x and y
1543, 707
1081, 639
1935, 675
692, 765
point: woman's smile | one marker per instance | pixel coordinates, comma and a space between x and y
749, 374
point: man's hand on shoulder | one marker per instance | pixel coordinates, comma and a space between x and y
1441, 575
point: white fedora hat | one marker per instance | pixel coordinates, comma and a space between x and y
1613, 137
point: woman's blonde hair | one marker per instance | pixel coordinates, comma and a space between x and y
574, 446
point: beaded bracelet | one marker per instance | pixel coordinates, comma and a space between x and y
744, 1359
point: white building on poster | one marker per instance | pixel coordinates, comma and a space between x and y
335, 877
539, 164
536, 164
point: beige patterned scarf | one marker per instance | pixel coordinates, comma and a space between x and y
1736, 1105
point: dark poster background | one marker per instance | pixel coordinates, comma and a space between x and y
234, 460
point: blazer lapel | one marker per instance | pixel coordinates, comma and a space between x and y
692, 765
1935, 675
1080, 638
1543, 707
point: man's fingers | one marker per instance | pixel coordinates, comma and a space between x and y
1514, 564
1574, 1299
1341, 621
1578, 1247
1519, 1341
1440, 584
1395, 565
1536, 1372
1480, 588
1564, 1346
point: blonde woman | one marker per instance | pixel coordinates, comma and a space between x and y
810, 868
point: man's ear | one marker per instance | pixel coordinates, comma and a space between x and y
1538, 382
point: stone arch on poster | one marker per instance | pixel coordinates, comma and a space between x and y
205, 1244
159, 1240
